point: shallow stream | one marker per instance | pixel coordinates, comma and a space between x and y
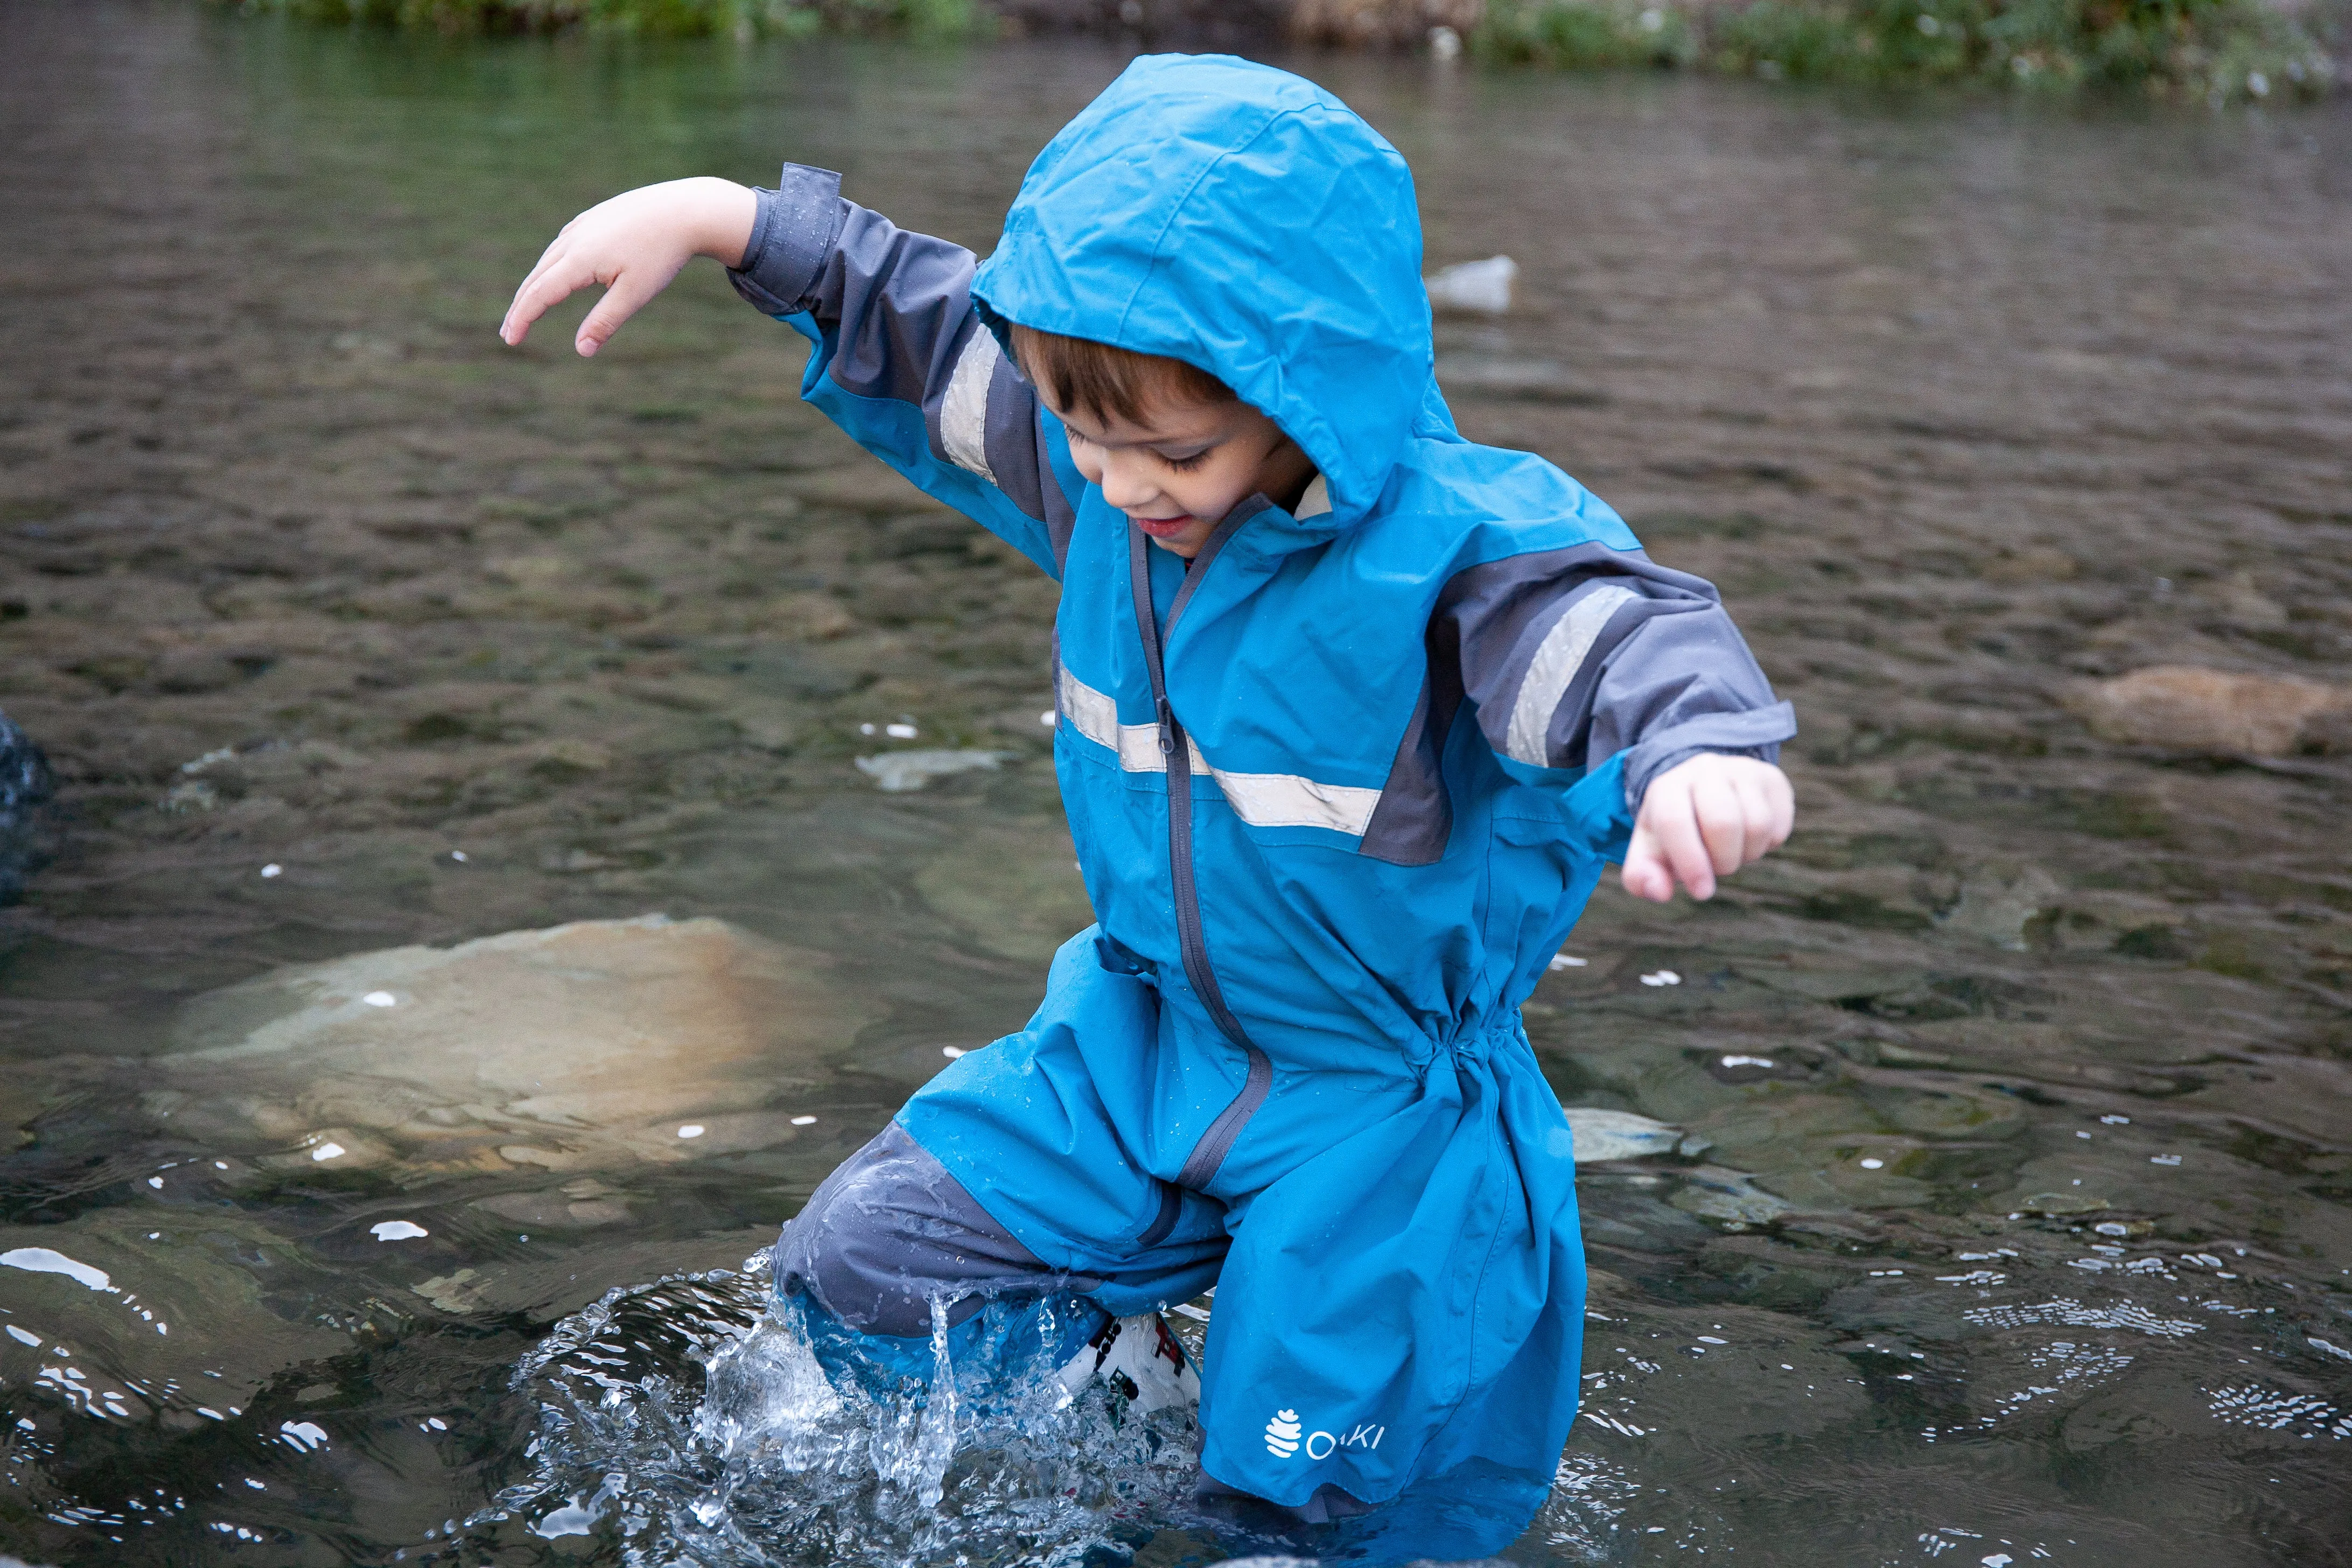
1994, 1202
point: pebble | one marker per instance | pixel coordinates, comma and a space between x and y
272, 869
397, 1230
1482, 287
691, 1129
378, 999
1873, 1165
1662, 977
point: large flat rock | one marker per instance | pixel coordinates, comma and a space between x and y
599, 1045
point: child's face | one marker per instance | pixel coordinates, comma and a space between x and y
1185, 464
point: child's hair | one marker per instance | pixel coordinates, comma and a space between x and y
1111, 383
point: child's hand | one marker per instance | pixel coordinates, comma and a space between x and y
634, 245
1705, 818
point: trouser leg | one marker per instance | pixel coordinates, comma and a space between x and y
1010, 1182
890, 1232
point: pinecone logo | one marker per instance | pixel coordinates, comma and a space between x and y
1282, 1434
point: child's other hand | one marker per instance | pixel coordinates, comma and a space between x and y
1703, 819
634, 245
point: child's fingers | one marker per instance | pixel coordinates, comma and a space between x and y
1644, 874
1722, 823
1771, 810
624, 295
556, 276
1673, 817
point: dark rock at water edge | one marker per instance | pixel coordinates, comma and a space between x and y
25, 783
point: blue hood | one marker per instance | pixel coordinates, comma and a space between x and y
1243, 220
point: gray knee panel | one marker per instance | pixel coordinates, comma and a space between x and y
890, 1230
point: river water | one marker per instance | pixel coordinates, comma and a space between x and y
2010, 1214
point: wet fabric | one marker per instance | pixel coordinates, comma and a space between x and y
890, 1233
1338, 790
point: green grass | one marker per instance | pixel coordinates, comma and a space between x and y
1584, 35
2216, 51
663, 18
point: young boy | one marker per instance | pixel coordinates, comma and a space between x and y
1351, 714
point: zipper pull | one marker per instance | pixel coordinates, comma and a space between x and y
1167, 718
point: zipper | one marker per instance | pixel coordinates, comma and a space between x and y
1218, 1140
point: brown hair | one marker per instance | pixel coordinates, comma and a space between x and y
1111, 383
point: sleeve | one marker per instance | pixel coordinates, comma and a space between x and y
904, 363
1580, 657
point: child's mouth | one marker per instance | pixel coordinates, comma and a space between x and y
1165, 527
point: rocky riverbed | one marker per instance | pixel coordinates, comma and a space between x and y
357, 641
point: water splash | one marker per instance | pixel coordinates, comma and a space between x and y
686, 1423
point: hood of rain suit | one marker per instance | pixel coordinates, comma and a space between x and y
1245, 221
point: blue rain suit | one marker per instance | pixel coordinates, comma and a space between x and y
1338, 791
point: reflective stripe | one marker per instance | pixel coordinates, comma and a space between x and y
1261, 800
964, 412
1554, 667
1287, 800
1096, 717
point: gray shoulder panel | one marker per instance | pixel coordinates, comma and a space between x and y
1568, 658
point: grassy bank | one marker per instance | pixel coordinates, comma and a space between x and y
2217, 51
2213, 50
666, 18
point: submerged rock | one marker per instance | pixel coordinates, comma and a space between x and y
1717, 1192
133, 1316
899, 770
599, 1045
25, 783
2183, 708
1619, 1135
1997, 903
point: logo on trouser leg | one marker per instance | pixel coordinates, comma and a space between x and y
1284, 1438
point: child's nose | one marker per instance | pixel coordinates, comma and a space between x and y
1126, 483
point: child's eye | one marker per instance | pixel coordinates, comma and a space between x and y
1186, 465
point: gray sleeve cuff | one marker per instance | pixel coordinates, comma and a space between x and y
795, 232
1752, 733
